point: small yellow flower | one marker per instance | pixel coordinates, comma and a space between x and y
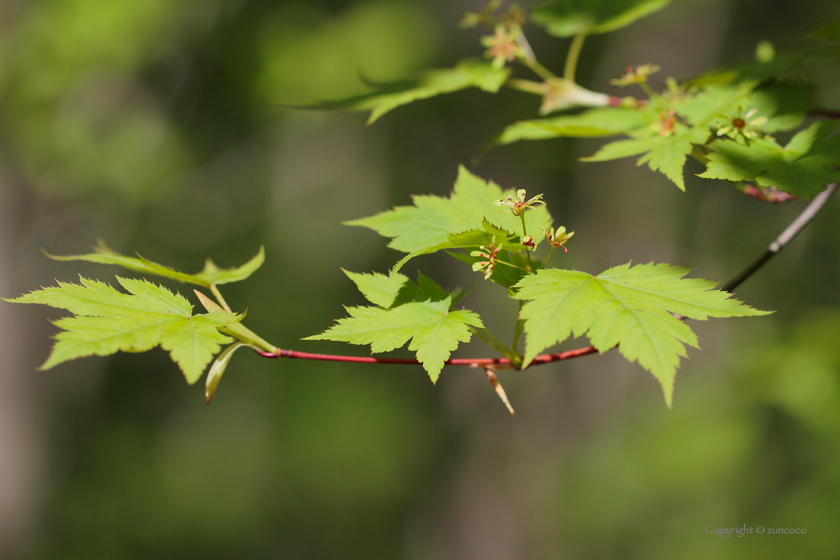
517, 207
638, 75
742, 126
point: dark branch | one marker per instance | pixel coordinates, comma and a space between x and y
786, 237
824, 113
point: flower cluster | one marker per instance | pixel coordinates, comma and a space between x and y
742, 126
518, 205
558, 238
637, 75
664, 125
503, 47
490, 256
528, 241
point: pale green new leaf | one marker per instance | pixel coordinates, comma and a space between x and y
567, 18
801, 168
626, 306
467, 74
433, 329
433, 219
107, 321
215, 275
396, 289
472, 239
379, 289
607, 121
210, 275
217, 369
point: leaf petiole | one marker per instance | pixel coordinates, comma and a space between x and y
219, 297
236, 330
513, 265
527, 86
531, 61
573, 56
530, 264
492, 340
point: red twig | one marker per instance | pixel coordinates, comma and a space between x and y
475, 362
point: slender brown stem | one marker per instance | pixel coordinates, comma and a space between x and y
494, 381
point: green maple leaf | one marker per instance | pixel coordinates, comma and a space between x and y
107, 321
782, 66
395, 289
432, 219
211, 274
666, 154
467, 74
567, 18
624, 306
785, 104
472, 239
422, 313
608, 121
379, 289
800, 168
714, 101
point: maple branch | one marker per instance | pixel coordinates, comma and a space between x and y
805, 218
786, 237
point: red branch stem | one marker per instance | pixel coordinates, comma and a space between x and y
499, 363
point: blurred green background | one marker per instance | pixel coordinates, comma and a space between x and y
160, 126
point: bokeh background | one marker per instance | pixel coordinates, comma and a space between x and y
160, 126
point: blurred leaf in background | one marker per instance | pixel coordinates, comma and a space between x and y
754, 445
77, 113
